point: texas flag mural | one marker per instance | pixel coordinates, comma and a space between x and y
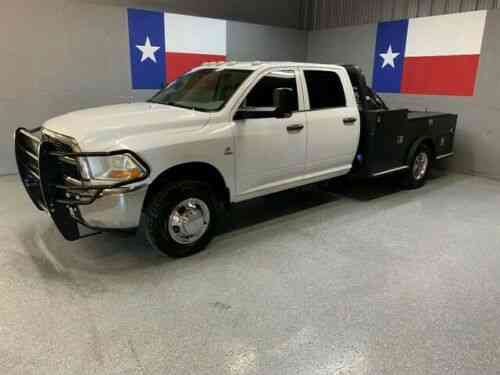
429, 56
164, 46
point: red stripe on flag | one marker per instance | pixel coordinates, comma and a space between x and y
178, 63
440, 75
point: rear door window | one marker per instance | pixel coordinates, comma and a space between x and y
325, 89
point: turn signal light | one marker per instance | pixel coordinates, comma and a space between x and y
125, 174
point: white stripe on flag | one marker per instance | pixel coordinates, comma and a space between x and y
188, 34
453, 34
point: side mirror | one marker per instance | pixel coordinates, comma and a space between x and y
284, 103
283, 99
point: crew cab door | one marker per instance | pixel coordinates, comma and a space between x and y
270, 151
333, 122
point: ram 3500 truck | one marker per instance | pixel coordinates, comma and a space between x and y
222, 133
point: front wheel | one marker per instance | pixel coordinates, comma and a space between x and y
180, 220
419, 168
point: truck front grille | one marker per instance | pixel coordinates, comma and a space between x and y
67, 166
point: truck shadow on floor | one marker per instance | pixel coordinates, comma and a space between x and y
274, 206
282, 204
260, 210
368, 190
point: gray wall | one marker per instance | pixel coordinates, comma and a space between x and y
321, 14
478, 133
346, 45
256, 42
64, 55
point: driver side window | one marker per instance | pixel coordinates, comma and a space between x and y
262, 95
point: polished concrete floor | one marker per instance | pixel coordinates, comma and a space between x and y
358, 279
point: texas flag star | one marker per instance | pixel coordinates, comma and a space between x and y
148, 51
389, 57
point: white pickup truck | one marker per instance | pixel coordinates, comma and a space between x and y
222, 133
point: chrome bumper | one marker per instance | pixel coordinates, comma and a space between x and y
115, 210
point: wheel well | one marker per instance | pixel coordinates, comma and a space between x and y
197, 171
429, 143
426, 141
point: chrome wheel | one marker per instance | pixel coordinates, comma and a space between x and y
420, 165
189, 221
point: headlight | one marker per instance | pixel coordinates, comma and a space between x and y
112, 169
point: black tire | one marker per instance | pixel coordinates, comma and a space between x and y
158, 212
415, 178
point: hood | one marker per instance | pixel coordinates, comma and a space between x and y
112, 123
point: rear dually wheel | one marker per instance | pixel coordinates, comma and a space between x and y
419, 168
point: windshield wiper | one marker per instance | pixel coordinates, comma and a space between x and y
171, 103
181, 105
176, 104
191, 107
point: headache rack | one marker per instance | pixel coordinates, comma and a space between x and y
50, 169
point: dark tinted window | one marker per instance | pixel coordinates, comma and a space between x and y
262, 94
325, 89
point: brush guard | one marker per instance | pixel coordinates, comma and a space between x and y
51, 174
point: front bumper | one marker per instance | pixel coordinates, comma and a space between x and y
115, 210
49, 169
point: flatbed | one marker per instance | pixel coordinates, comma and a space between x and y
391, 137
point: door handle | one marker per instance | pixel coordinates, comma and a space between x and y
350, 120
295, 128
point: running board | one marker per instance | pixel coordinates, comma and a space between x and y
444, 156
383, 173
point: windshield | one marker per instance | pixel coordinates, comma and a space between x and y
206, 90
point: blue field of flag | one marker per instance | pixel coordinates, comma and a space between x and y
147, 48
389, 56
